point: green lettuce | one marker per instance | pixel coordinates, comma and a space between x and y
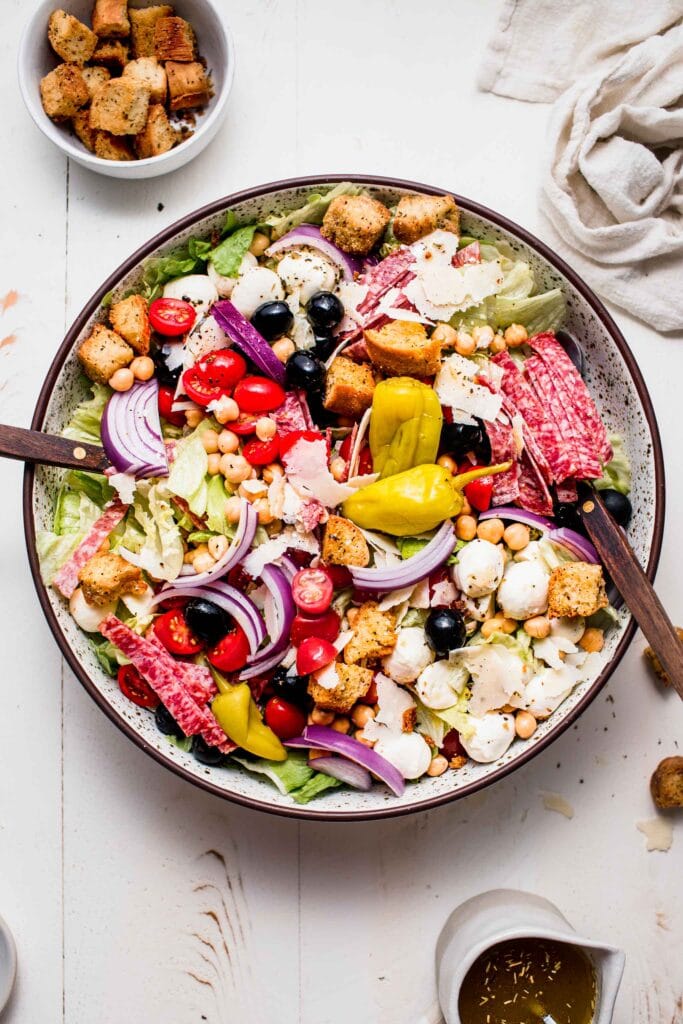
187, 478
95, 485
537, 313
54, 551
216, 497
616, 474
312, 211
228, 254
74, 516
457, 716
106, 654
159, 270
293, 776
84, 424
316, 785
152, 533
74, 512
389, 241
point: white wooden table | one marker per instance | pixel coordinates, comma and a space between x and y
133, 896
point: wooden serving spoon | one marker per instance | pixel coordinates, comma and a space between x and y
34, 446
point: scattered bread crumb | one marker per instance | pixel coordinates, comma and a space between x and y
658, 832
556, 802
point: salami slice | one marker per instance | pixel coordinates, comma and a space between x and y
505, 485
392, 272
533, 495
66, 579
290, 416
577, 448
468, 254
567, 491
197, 680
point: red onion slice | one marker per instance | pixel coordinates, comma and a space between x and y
575, 543
321, 738
238, 605
414, 569
518, 515
246, 338
346, 771
310, 235
131, 431
280, 590
241, 543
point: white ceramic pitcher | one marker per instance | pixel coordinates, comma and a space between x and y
503, 914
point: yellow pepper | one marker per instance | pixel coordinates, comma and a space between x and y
237, 713
414, 501
405, 425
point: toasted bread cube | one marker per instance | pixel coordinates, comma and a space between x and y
417, 216
148, 72
666, 784
63, 92
374, 634
112, 147
142, 24
95, 78
174, 40
355, 223
120, 107
80, 123
71, 40
576, 588
349, 387
344, 543
103, 352
188, 85
158, 135
129, 319
402, 347
656, 664
110, 18
107, 576
353, 683
111, 52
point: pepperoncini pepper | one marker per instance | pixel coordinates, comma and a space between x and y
405, 425
236, 712
412, 502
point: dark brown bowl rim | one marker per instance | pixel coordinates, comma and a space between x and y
167, 235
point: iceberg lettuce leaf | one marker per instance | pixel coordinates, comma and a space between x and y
84, 424
544, 312
312, 211
616, 474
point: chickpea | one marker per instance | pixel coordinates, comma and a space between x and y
188, 557
498, 624
193, 417
361, 737
538, 627
227, 442
593, 640
259, 244
271, 471
361, 715
465, 527
438, 766
218, 545
265, 516
227, 410
448, 463
315, 752
266, 428
483, 336
516, 536
320, 717
142, 367
498, 344
203, 562
515, 335
338, 468
214, 464
465, 344
283, 348
122, 380
210, 441
445, 335
235, 468
466, 509
525, 724
233, 509
491, 530
341, 724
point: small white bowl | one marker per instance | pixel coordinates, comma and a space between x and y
8, 964
215, 43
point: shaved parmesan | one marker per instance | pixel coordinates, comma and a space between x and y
556, 802
275, 547
393, 702
309, 474
456, 389
124, 484
658, 832
440, 290
497, 674
327, 677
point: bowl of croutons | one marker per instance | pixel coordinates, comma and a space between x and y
127, 89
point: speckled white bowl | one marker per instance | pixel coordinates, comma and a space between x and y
36, 58
612, 376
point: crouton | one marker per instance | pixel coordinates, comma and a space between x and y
120, 107
344, 543
576, 588
148, 72
142, 27
158, 135
174, 40
80, 123
349, 387
63, 92
656, 664
666, 784
73, 41
129, 319
355, 223
103, 352
110, 18
112, 147
111, 52
354, 683
374, 634
188, 85
417, 216
402, 347
95, 78
106, 577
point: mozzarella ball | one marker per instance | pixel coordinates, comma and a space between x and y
225, 285
88, 616
306, 272
439, 684
407, 751
410, 655
480, 568
258, 285
493, 734
524, 590
197, 289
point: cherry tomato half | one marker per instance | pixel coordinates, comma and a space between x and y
479, 492
258, 394
290, 439
231, 652
135, 688
325, 627
171, 317
365, 464
175, 634
345, 447
314, 653
214, 375
312, 591
285, 719
260, 453
244, 426
166, 400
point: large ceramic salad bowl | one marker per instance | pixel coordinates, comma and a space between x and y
622, 401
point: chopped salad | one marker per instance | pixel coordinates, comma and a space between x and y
338, 543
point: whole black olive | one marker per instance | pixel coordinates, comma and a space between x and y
291, 688
305, 372
459, 439
324, 345
167, 378
618, 506
206, 620
445, 629
205, 754
324, 311
272, 320
166, 723
566, 515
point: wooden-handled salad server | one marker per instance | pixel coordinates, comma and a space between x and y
50, 450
